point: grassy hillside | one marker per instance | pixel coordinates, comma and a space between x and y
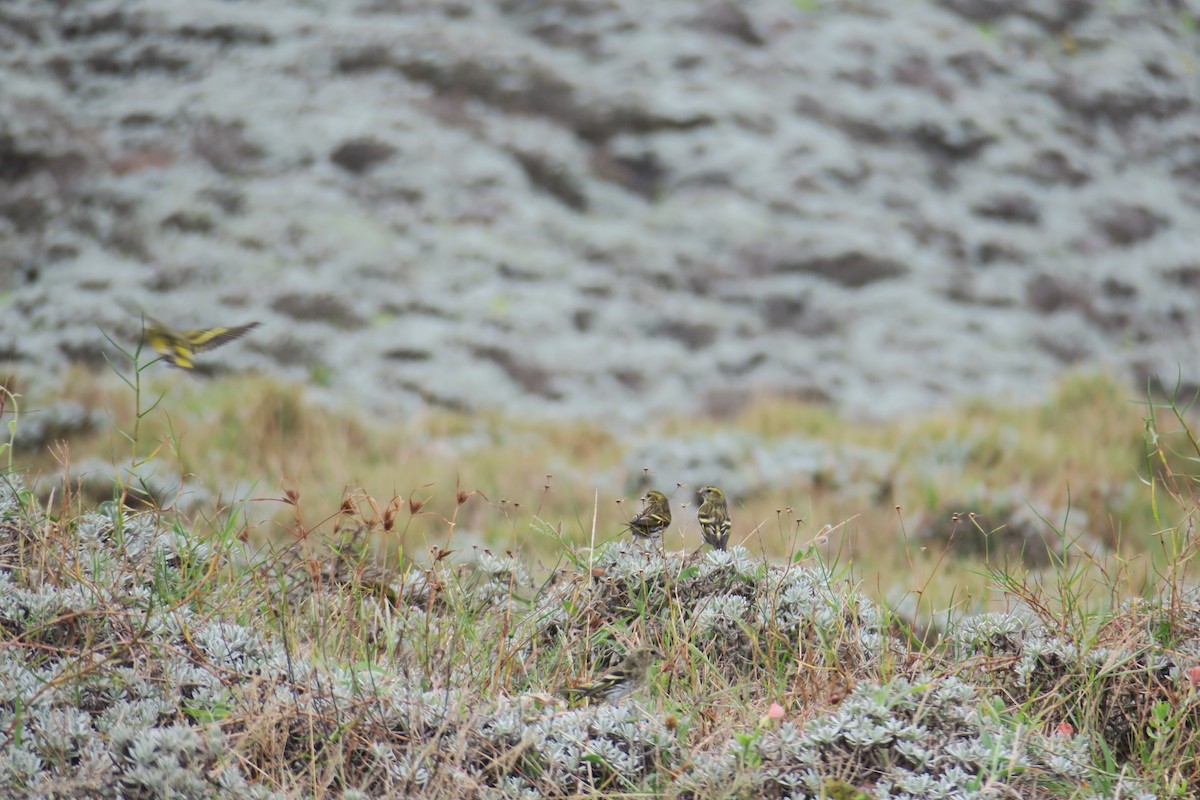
984, 602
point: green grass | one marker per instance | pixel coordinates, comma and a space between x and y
1079, 460
344, 626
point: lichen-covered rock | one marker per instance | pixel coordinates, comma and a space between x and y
610, 211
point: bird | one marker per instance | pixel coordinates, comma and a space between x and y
654, 518
713, 514
619, 682
838, 789
181, 347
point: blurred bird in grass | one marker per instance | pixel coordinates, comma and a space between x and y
181, 347
619, 682
838, 789
655, 517
713, 514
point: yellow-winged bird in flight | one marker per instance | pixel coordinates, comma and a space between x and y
181, 347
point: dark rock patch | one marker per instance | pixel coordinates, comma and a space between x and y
643, 175
918, 71
1019, 209
742, 367
118, 62
1125, 224
1053, 168
554, 179
1120, 107
1187, 275
227, 34
853, 269
693, 336
172, 277
631, 379
191, 221
288, 351
326, 308
86, 23
1120, 290
407, 354
363, 59
229, 201
1049, 294
993, 251
730, 19
1070, 350
582, 319
530, 377
962, 141
362, 154
781, 311
225, 147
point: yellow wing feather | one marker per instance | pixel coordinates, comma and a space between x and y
180, 348
209, 338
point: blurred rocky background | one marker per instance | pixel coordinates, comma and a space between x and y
609, 208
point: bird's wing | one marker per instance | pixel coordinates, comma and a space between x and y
208, 338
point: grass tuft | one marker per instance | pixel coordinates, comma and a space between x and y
401, 616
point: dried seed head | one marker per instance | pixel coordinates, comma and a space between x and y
389, 513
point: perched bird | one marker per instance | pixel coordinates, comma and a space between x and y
180, 347
654, 518
838, 789
714, 517
620, 681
